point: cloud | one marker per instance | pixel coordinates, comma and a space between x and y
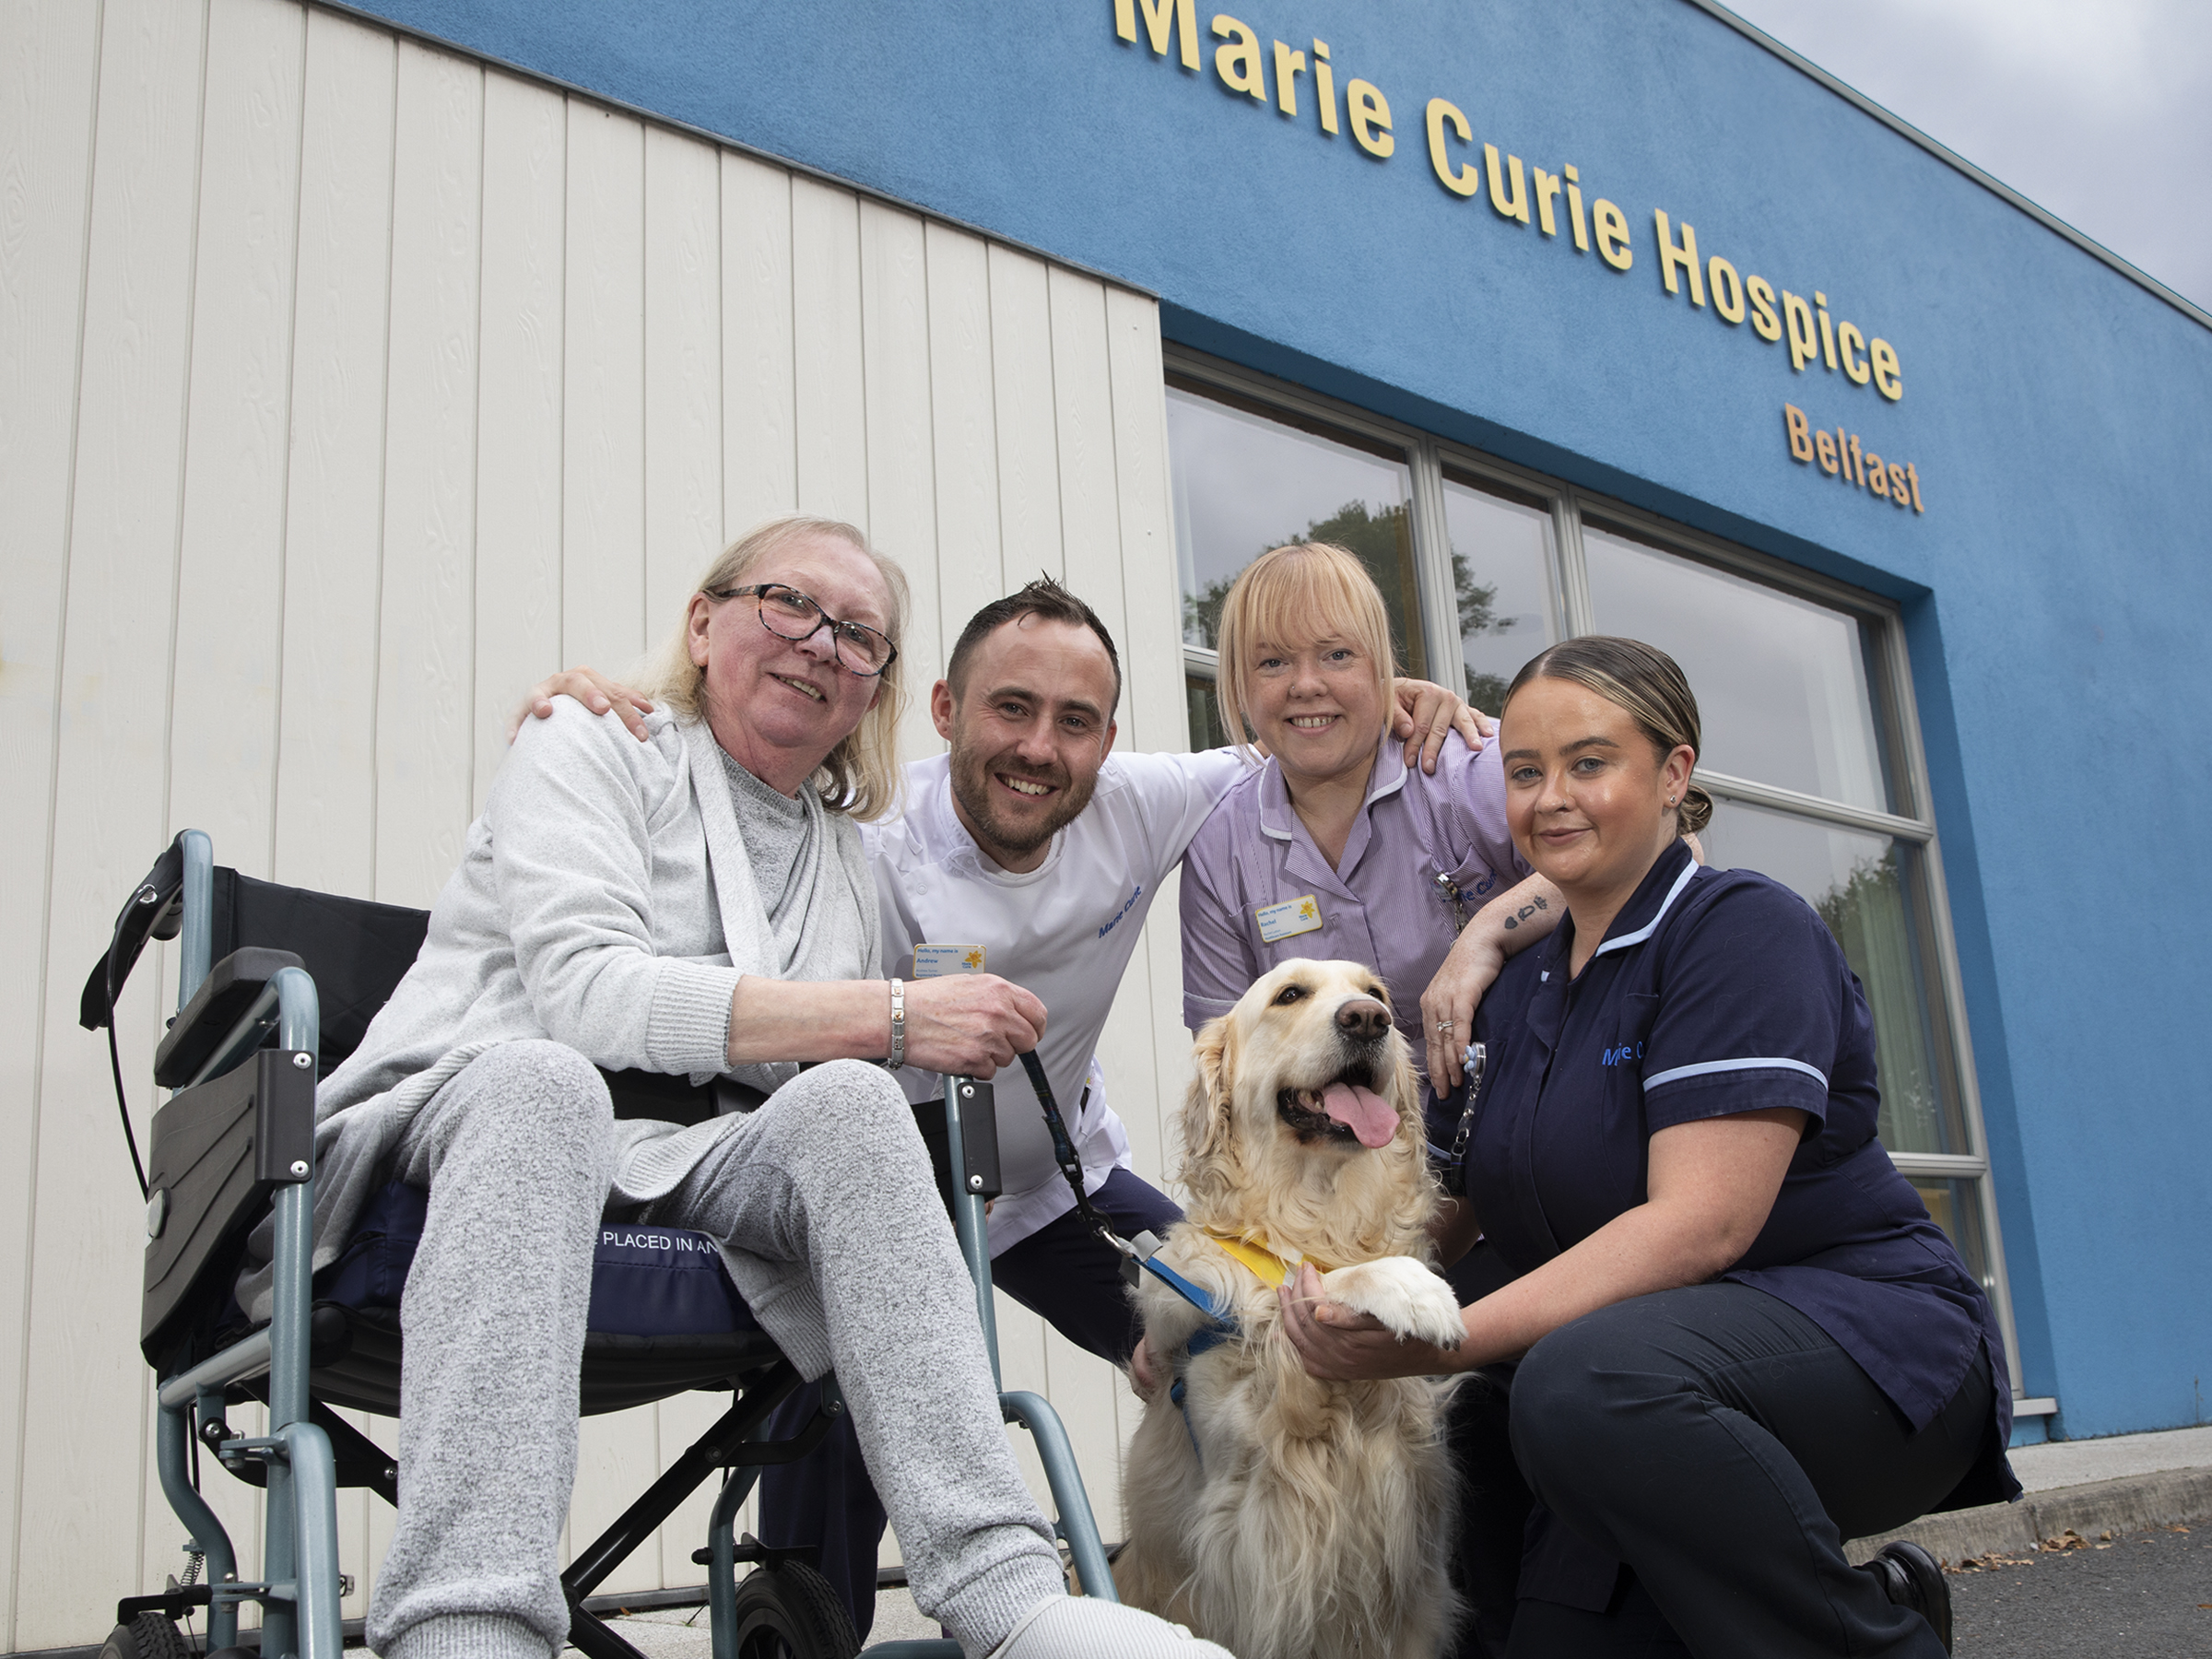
2100, 114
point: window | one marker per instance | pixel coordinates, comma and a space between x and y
1811, 749
1245, 482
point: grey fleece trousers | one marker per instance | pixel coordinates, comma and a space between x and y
516, 1153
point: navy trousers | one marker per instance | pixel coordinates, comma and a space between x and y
1721, 1446
826, 1503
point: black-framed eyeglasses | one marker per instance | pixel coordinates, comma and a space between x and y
791, 615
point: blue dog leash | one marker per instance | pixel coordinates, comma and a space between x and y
1138, 1255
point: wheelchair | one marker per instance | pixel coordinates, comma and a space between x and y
276, 986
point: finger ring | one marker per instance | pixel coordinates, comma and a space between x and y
1447, 1026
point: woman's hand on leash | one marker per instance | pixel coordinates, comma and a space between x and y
1340, 1346
969, 1025
1426, 713
590, 688
1448, 1002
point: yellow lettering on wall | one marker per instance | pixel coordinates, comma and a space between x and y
1727, 289
1824, 444
1911, 483
1803, 344
1159, 14
1460, 180
1238, 64
1546, 187
1574, 209
1683, 258
1612, 235
1370, 113
1827, 333
1877, 475
1512, 206
1801, 432
1849, 342
1888, 379
1289, 66
1324, 87
1765, 322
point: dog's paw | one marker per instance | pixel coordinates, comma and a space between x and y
1406, 1297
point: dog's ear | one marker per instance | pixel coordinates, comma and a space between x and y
1205, 1104
1405, 1095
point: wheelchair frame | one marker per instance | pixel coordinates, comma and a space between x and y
300, 1593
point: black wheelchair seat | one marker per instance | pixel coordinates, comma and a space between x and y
665, 1317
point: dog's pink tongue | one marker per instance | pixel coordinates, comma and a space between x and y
1366, 1113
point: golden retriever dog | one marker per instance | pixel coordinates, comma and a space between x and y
1281, 1516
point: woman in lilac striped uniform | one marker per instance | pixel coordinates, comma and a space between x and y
1335, 848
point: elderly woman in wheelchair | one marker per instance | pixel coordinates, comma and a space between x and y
689, 917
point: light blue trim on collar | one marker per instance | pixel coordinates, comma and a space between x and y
1650, 927
1758, 1063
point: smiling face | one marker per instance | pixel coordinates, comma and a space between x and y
1318, 706
1588, 797
779, 706
1029, 728
1303, 1117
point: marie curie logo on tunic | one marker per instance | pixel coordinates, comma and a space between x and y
1128, 904
1623, 1054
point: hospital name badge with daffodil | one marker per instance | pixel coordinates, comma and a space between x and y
933, 960
1288, 919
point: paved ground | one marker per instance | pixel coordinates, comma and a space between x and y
2147, 1595
2142, 1595
2077, 1462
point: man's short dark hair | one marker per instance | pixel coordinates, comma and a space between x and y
1043, 597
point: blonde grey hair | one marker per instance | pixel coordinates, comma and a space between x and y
860, 776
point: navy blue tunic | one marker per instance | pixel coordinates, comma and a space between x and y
1712, 992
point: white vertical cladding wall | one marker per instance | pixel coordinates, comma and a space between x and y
346, 387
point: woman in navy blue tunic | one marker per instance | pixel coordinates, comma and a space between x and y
1734, 1338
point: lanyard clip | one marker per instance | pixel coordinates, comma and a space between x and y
1448, 891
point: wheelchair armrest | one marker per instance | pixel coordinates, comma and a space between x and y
979, 1174
221, 1001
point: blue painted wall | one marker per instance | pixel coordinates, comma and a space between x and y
2054, 590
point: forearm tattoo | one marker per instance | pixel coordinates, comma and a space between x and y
1524, 912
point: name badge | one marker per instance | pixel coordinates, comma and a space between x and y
1288, 919
933, 960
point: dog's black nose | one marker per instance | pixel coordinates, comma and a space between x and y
1363, 1017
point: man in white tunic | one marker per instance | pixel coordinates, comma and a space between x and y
1030, 851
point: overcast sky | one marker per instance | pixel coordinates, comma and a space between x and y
2099, 111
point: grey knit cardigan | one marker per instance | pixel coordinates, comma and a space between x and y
604, 900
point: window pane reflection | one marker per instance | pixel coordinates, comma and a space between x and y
1244, 484
1501, 569
1861, 885
1204, 708
1781, 682
1954, 1205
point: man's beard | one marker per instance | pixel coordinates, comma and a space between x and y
973, 787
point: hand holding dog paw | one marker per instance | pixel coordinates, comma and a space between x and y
1402, 1296
1340, 1343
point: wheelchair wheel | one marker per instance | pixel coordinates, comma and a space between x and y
790, 1612
148, 1636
